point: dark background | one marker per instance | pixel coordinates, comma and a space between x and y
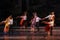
42, 7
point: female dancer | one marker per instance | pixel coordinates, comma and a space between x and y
35, 21
50, 23
23, 19
7, 22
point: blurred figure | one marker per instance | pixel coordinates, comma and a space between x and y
23, 20
35, 21
7, 22
50, 23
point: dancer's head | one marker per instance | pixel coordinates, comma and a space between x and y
52, 13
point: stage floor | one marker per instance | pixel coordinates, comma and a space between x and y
21, 33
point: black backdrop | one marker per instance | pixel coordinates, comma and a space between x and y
43, 8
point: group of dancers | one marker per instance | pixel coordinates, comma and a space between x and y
34, 22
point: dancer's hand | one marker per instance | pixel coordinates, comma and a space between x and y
43, 19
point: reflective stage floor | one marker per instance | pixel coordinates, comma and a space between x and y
20, 33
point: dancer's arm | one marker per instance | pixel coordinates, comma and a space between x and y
46, 17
